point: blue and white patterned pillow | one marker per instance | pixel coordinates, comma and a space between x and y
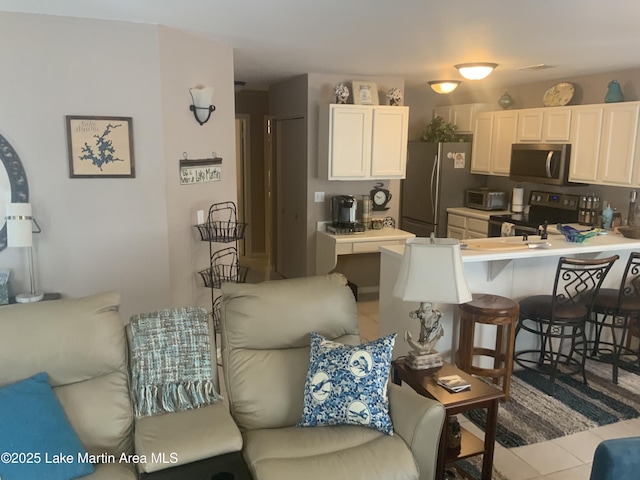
347, 384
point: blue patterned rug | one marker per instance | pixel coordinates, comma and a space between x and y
533, 416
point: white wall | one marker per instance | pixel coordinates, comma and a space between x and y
109, 234
185, 62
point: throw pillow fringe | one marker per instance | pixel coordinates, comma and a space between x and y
173, 397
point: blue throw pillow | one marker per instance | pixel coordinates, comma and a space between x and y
347, 384
36, 440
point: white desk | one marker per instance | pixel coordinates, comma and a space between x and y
329, 246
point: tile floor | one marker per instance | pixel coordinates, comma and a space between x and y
566, 458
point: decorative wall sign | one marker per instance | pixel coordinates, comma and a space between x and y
200, 171
365, 93
100, 147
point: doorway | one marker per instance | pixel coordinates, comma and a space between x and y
253, 195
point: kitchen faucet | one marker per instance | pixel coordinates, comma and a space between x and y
542, 230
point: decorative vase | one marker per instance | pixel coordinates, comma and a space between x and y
505, 101
341, 100
395, 97
614, 92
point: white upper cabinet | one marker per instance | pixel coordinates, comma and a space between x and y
463, 116
495, 132
618, 148
604, 144
552, 124
586, 128
361, 142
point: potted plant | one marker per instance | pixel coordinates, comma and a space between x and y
440, 131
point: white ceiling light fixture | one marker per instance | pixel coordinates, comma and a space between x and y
444, 86
475, 71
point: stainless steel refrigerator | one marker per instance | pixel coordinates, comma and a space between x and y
437, 176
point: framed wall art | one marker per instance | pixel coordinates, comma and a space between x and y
100, 147
365, 93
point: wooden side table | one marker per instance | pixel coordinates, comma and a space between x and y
480, 395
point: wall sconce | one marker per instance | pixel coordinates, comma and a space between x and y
201, 103
475, 71
20, 232
444, 86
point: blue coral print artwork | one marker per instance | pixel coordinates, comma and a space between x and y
100, 146
103, 151
347, 384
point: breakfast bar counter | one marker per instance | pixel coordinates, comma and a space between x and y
503, 266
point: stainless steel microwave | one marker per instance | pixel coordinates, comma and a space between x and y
485, 199
546, 163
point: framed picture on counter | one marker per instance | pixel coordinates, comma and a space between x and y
365, 93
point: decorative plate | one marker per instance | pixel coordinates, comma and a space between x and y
558, 95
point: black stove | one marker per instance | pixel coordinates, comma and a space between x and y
544, 207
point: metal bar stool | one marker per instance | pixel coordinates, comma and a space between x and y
615, 312
554, 319
488, 310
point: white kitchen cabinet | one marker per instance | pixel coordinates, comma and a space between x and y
463, 223
586, 128
463, 116
618, 147
604, 144
544, 125
362, 142
495, 132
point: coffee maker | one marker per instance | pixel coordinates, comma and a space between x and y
343, 211
343, 215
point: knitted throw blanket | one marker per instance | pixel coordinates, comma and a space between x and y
171, 361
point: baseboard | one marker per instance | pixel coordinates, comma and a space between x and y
372, 289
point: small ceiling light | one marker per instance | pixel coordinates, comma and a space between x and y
238, 85
475, 71
444, 86
201, 103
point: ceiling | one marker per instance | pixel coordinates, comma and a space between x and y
420, 40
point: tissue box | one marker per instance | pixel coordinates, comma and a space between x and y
4, 286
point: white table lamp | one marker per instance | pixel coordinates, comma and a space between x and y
431, 269
20, 234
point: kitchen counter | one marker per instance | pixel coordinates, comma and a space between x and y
559, 247
329, 245
475, 213
511, 272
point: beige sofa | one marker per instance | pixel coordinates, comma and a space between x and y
81, 344
265, 345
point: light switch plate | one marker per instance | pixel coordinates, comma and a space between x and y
319, 197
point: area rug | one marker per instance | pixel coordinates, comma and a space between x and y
533, 416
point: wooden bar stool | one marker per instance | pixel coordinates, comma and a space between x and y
489, 310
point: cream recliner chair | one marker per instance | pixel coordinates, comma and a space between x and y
265, 350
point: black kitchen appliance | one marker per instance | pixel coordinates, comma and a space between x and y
544, 208
343, 215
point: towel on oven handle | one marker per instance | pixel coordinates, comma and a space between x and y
507, 229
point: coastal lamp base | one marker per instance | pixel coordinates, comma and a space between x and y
423, 361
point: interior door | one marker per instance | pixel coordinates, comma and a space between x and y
290, 179
243, 174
